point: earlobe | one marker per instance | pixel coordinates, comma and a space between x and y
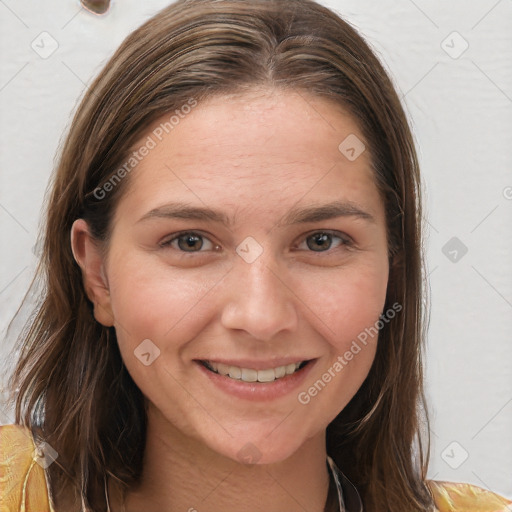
87, 253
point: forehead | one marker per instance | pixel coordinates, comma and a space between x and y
259, 148
264, 124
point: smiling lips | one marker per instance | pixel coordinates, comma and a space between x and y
252, 375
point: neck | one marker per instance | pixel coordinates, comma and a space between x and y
182, 474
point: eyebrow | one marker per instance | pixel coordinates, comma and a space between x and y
315, 213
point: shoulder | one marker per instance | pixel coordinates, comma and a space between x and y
461, 497
22, 476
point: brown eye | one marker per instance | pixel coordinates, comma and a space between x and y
322, 241
188, 242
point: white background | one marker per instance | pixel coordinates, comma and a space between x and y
460, 106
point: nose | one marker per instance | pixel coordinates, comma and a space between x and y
259, 300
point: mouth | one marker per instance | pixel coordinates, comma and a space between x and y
254, 376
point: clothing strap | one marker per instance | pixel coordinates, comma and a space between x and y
348, 496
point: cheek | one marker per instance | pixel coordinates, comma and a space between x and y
347, 316
150, 301
346, 302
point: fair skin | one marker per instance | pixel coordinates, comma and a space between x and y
255, 157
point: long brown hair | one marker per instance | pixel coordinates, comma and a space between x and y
73, 388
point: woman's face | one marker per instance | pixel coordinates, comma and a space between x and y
257, 286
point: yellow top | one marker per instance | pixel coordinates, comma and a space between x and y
24, 488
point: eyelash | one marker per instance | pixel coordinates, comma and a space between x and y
345, 240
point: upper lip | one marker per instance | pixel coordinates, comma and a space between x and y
258, 365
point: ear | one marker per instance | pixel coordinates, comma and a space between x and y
87, 253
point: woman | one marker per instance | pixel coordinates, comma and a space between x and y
232, 317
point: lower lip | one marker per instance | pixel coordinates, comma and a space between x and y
259, 391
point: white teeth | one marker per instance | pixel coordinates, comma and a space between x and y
250, 375
290, 368
266, 375
222, 368
280, 371
235, 372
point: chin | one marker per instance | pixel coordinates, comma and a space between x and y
259, 447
